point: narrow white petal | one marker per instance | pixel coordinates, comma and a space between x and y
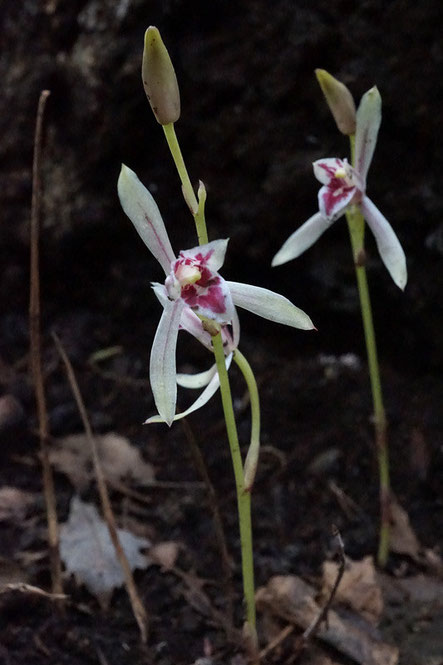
388, 244
162, 368
199, 380
301, 239
203, 399
212, 254
143, 212
269, 305
368, 124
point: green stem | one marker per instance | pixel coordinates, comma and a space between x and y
243, 496
251, 461
188, 192
356, 225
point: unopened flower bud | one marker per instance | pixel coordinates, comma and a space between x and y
159, 80
340, 101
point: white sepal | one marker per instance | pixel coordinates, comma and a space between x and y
303, 238
368, 124
162, 367
388, 244
142, 210
269, 305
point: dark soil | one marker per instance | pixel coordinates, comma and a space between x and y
253, 121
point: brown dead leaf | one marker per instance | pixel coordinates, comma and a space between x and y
88, 553
165, 554
14, 503
292, 599
402, 537
358, 587
119, 459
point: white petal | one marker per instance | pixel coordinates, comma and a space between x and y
368, 124
162, 368
143, 212
205, 396
301, 239
199, 380
212, 254
388, 244
269, 305
324, 169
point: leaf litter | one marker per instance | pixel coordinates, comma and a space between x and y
88, 553
119, 460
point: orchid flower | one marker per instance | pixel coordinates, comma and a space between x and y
344, 186
193, 293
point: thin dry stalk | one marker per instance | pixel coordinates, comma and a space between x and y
36, 356
137, 606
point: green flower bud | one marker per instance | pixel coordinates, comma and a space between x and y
340, 101
159, 80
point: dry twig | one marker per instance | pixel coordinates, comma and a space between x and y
311, 630
137, 606
35, 352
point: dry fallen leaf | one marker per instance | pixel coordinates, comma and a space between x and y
165, 554
88, 553
402, 537
14, 503
293, 600
358, 587
119, 460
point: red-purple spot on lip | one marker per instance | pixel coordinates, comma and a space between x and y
211, 299
333, 194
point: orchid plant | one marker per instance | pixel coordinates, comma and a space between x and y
196, 298
343, 192
193, 294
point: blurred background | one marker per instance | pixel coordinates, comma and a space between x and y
253, 120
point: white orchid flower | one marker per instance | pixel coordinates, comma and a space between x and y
192, 289
344, 186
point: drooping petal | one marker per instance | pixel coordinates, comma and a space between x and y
162, 367
211, 255
269, 305
302, 239
194, 381
203, 399
388, 244
368, 124
332, 201
142, 210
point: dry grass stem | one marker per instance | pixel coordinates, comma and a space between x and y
137, 606
36, 356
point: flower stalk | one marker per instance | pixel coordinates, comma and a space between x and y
356, 226
243, 495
